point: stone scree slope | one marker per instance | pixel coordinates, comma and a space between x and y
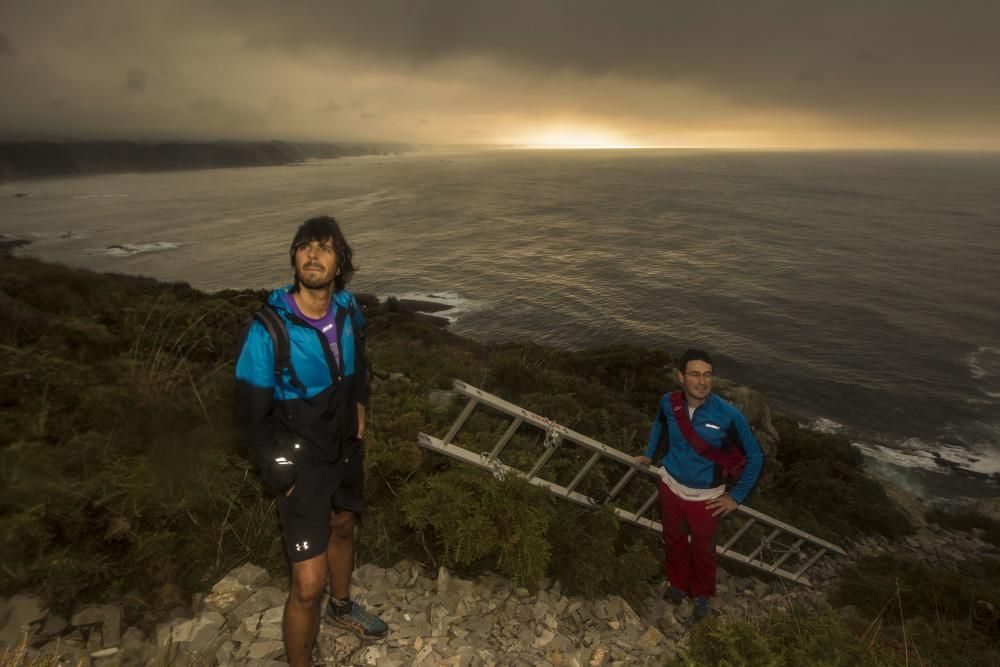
435, 618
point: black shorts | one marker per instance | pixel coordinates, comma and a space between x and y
320, 488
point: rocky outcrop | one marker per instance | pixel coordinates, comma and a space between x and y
934, 545
438, 618
908, 503
989, 508
435, 618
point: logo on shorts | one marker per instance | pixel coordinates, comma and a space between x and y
302, 546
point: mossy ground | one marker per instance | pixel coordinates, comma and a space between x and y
123, 479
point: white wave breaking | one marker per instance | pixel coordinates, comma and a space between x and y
130, 249
457, 305
984, 363
825, 425
981, 461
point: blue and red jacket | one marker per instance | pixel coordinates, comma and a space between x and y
718, 423
315, 418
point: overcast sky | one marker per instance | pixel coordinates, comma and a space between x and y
784, 73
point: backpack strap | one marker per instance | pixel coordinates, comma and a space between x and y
357, 322
730, 458
275, 327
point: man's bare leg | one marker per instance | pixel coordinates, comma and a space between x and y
300, 623
340, 553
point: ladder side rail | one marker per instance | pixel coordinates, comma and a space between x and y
764, 567
530, 417
466, 411
763, 518
464, 455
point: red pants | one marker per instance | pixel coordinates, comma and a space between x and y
689, 531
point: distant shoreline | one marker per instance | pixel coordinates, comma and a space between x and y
21, 160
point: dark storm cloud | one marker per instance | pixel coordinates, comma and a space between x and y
908, 69
913, 58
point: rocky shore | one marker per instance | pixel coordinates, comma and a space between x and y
438, 618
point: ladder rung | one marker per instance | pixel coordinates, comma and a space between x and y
543, 459
760, 547
739, 533
794, 549
583, 471
620, 485
646, 505
508, 434
466, 411
815, 557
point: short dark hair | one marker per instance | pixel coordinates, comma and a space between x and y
692, 354
321, 229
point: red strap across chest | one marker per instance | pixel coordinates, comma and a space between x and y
731, 459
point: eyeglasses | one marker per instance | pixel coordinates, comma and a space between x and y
697, 375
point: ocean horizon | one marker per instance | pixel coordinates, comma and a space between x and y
859, 290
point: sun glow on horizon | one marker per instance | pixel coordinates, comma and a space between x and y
574, 138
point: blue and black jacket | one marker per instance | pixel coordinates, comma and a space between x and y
314, 418
718, 423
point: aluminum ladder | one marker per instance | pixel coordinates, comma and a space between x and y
761, 542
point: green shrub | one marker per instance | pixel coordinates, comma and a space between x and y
948, 616
471, 518
796, 638
592, 555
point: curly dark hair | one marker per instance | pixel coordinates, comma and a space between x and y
325, 228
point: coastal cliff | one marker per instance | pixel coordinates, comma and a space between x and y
124, 486
32, 159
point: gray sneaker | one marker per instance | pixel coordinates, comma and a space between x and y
353, 617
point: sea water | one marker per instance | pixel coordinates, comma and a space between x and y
859, 290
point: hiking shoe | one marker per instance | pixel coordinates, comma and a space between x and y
353, 617
701, 610
674, 595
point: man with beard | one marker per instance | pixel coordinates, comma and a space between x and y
301, 391
699, 442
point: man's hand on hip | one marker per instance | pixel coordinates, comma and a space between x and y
722, 505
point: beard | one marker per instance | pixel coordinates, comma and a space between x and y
314, 281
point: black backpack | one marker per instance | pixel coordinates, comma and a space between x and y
275, 327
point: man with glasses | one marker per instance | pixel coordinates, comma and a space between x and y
699, 443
